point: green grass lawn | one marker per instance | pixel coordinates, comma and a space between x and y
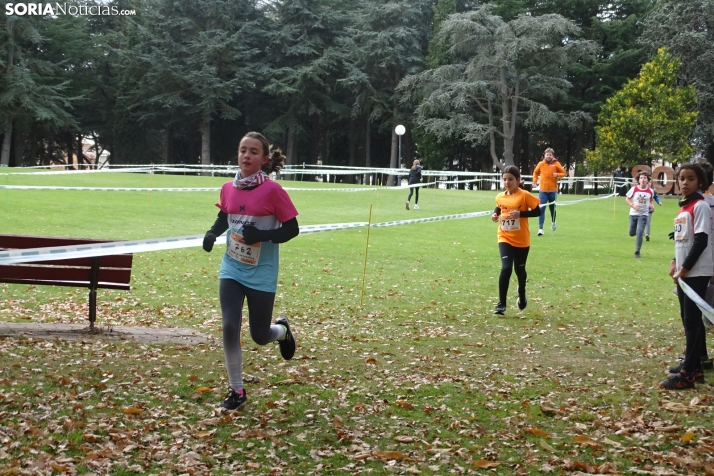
411, 374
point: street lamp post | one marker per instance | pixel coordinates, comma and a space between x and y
399, 130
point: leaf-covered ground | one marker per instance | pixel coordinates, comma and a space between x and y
362, 396
401, 367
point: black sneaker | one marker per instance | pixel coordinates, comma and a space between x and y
678, 368
522, 301
679, 381
637, 254
287, 345
500, 309
234, 400
698, 375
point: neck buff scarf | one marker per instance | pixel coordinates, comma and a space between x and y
689, 198
251, 180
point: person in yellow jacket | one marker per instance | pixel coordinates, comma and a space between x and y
547, 172
513, 208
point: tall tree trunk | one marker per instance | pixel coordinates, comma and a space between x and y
206, 141
7, 130
395, 145
32, 154
367, 149
80, 152
19, 149
290, 150
7, 138
492, 138
70, 151
168, 144
367, 144
315, 142
352, 146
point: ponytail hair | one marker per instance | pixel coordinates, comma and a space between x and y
277, 159
276, 162
513, 170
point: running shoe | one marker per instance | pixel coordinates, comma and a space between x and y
553, 226
407, 204
540, 232
679, 381
416, 207
234, 400
287, 345
500, 309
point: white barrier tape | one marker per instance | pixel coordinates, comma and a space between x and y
308, 229
33, 255
160, 244
108, 189
67, 172
707, 310
424, 220
573, 202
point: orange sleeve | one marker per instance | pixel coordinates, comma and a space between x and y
536, 173
532, 201
561, 170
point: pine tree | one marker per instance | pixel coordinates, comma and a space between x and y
31, 88
499, 72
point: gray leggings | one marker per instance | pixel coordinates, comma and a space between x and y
260, 312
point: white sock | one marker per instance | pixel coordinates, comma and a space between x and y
282, 331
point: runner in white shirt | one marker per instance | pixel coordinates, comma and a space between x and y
640, 199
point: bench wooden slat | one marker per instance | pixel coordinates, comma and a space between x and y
113, 261
56, 275
77, 284
26, 241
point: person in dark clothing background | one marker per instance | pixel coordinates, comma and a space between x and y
414, 178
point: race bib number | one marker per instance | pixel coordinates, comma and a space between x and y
510, 224
680, 228
241, 252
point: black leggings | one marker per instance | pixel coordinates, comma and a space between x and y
510, 256
694, 331
413, 190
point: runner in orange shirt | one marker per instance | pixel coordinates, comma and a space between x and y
547, 172
513, 208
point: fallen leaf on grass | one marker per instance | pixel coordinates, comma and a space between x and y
404, 439
203, 434
544, 444
681, 407
485, 464
404, 404
687, 437
586, 441
203, 389
390, 455
669, 429
538, 432
548, 409
131, 411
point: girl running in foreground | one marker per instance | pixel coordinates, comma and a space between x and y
513, 208
258, 215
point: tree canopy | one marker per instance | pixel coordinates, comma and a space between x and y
481, 84
650, 117
502, 73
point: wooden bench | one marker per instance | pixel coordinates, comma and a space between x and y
106, 272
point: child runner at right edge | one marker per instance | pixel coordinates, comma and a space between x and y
513, 208
692, 264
